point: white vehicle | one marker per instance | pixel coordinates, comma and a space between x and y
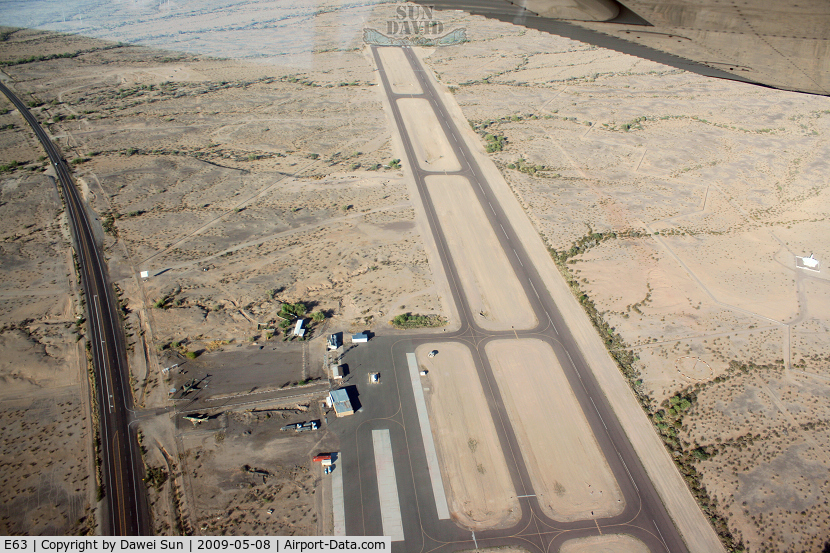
433, 353
374, 377
424, 372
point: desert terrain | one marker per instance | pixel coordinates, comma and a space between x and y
479, 489
47, 465
239, 189
607, 543
568, 470
493, 291
676, 207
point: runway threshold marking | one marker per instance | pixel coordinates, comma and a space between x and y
337, 503
429, 444
390, 504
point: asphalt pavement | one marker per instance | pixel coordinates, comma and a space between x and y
390, 403
122, 468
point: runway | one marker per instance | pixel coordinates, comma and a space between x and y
644, 515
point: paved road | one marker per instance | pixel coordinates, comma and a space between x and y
390, 404
126, 512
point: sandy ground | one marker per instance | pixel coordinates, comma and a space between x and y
233, 214
238, 188
607, 543
628, 145
693, 525
487, 279
401, 77
431, 144
623, 143
476, 479
570, 476
228, 472
46, 466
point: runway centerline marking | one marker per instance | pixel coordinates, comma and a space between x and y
597, 410
522, 264
553, 325
629, 473
530, 281
661, 535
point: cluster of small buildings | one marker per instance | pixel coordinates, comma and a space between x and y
339, 399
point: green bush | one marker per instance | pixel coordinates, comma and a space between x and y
494, 143
408, 320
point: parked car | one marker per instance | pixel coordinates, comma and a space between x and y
433, 353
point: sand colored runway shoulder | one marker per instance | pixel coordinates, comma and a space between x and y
399, 72
570, 475
480, 492
497, 299
431, 144
608, 543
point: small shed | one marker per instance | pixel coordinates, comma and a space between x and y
337, 372
298, 328
334, 341
361, 338
341, 402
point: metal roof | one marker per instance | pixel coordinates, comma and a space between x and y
340, 401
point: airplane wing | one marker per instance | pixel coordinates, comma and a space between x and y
782, 45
